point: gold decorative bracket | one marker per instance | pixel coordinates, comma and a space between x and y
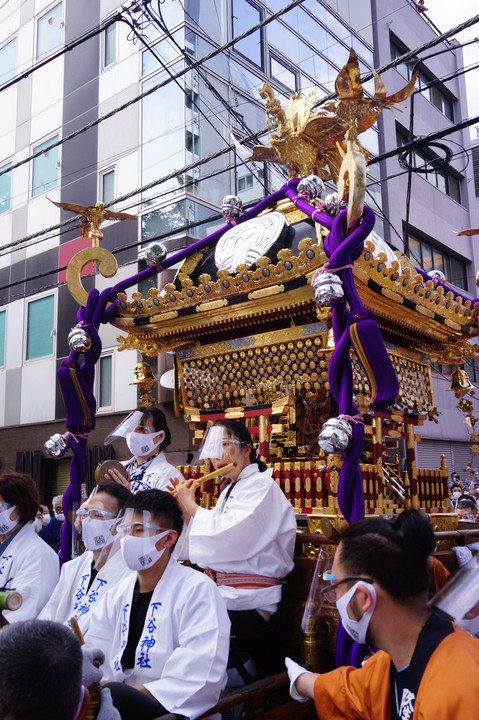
107, 267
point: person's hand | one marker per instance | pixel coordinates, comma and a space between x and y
185, 494
107, 710
116, 476
91, 671
294, 671
172, 484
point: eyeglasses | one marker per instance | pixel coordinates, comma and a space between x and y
145, 429
329, 593
137, 529
94, 514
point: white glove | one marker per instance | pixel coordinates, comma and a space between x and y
91, 672
294, 671
107, 710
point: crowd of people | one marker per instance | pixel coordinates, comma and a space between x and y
162, 637
464, 496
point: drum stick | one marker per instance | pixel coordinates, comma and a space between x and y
212, 475
77, 631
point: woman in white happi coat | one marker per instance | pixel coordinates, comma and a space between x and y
85, 579
147, 435
164, 631
27, 564
246, 542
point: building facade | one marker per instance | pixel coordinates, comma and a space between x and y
100, 104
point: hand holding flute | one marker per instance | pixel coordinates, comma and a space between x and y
185, 491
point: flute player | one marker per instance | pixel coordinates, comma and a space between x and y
246, 542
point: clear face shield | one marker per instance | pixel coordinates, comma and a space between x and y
218, 445
96, 522
128, 425
318, 591
459, 597
142, 539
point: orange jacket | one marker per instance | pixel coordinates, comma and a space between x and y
364, 693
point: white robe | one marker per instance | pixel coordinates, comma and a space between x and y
251, 532
182, 656
31, 567
158, 473
70, 599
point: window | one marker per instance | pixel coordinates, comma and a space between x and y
107, 186
245, 16
432, 257
8, 61
45, 167
109, 46
432, 169
105, 381
5, 183
40, 328
192, 142
282, 73
2, 337
49, 31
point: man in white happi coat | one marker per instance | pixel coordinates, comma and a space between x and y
85, 579
165, 631
27, 564
246, 542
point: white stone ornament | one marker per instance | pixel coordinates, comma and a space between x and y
335, 435
56, 446
326, 287
156, 253
79, 340
248, 241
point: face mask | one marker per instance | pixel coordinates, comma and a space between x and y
37, 525
140, 444
357, 629
5, 523
45, 520
140, 553
60, 517
456, 495
96, 534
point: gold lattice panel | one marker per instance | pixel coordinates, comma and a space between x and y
254, 375
415, 390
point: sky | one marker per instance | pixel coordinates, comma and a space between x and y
447, 14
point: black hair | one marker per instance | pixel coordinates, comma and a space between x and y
20, 490
117, 491
40, 671
158, 420
162, 505
394, 553
240, 432
455, 485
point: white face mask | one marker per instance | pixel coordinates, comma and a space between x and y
6, 524
96, 534
140, 553
456, 495
357, 629
142, 444
45, 519
37, 525
60, 517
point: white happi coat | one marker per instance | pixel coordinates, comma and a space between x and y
252, 531
182, 655
29, 566
157, 475
70, 597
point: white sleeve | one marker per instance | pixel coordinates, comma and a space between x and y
35, 576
